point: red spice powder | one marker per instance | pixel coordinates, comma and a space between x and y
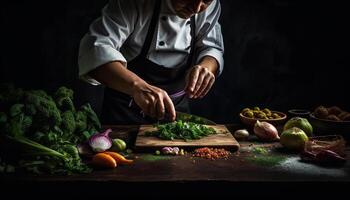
211, 153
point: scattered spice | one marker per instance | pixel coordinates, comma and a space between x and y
267, 160
211, 153
152, 158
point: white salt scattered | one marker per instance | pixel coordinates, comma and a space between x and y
294, 165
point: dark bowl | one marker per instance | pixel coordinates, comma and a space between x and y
330, 127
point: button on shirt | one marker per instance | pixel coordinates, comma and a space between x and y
121, 31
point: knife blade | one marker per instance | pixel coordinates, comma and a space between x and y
193, 118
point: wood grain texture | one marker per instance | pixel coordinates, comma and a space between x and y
223, 139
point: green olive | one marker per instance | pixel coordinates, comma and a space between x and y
256, 108
276, 116
261, 115
245, 110
266, 111
249, 114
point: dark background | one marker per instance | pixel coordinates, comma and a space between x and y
280, 54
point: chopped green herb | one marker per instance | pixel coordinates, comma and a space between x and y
181, 130
260, 150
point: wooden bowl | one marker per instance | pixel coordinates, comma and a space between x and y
250, 122
330, 127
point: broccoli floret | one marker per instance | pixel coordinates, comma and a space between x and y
80, 121
65, 104
41, 93
30, 109
47, 114
27, 122
92, 118
64, 99
68, 122
18, 125
16, 109
64, 92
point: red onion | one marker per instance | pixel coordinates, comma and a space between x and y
266, 131
101, 142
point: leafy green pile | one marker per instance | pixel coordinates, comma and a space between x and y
39, 132
181, 130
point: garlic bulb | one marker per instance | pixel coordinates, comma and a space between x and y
241, 134
266, 131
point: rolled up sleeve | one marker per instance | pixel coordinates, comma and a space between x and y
106, 35
209, 36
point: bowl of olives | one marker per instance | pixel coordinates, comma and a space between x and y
249, 116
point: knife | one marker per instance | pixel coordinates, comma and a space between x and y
193, 118
187, 118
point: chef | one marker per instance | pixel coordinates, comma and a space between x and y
152, 55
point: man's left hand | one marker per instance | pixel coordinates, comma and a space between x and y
199, 80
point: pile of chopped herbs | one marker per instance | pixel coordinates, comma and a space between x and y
181, 130
39, 132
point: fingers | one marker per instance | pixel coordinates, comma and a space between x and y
201, 80
208, 87
208, 81
169, 107
160, 107
155, 103
192, 79
148, 105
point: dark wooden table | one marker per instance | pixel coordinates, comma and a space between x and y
246, 172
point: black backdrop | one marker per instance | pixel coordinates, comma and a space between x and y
278, 53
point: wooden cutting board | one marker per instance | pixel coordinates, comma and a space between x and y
223, 139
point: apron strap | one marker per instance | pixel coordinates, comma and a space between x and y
151, 29
191, 59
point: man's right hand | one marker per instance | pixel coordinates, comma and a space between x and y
153, 101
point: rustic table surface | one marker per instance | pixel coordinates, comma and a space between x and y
249, 169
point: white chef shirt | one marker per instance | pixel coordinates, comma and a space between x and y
121, 31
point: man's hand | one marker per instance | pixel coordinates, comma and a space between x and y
153, 101
199, 80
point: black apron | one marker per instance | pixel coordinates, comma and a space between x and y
119, 108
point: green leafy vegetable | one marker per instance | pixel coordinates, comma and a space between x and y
44, 129
181, 130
